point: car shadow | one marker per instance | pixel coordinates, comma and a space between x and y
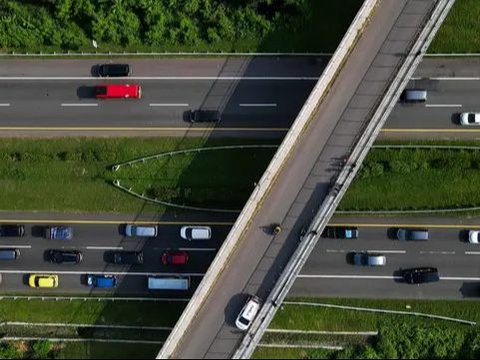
86, 92
349, 257
25, 279
108, 257
46, 256
233, 308
455, 118
392, 233
38, 231
397, 276
470, 289
121, 229
463, 235
187, 116
95, 70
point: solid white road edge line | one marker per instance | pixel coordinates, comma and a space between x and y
276, 78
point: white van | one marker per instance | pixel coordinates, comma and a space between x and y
168, 283
146, 231
248, 313
196, 232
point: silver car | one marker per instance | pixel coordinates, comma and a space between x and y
369, 259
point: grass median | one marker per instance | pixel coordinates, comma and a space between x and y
94, 312
74, 174
459, 32
416, 179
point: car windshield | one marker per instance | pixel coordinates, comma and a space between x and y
471, 118
243, 321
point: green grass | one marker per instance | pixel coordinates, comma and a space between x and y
318, 318
73, 174
138, 313
400, 336
283, 353
411, 179
459, 32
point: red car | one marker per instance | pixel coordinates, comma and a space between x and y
118, 91
175, 258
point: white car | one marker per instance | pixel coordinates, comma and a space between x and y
248, 313
196, 233
473, 236
468, 118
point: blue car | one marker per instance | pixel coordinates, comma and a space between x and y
59, 232
101, 281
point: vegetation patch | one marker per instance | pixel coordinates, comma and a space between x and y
181, 25
459, 32
400, 336
74, 174
415, 179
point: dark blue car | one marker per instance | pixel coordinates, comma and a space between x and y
101, 281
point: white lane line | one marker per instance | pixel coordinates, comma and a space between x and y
438, 252
268, 78
442, 105
382, 277
369, 251
104, 247
258, 105
166, 105
118, 273
198, 249
78, 104
4, 104
378, 277
15, 246
472, 252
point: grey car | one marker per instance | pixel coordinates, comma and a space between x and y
369, 259
412, 234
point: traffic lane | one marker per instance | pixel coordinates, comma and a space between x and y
37, 259
448, 98
113, 235
386, 289
449, 262
431, 222
448, 67
244, 103
192, 66
75, 284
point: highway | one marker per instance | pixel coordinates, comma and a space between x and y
327, 272
96, 241
453, 87
253, 95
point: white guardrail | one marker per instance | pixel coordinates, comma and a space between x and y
239, 228
345, 177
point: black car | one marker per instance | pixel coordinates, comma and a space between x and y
340, 232
420, 275
204, 116
111, 70
64, 256
128, 257
12, 230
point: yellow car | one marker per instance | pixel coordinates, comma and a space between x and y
43, 281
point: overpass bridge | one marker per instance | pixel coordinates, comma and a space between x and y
307, 177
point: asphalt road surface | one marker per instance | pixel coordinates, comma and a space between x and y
253, 95
329, 272
96, 242
453, 87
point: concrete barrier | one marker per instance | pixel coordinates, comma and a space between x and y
261, 190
